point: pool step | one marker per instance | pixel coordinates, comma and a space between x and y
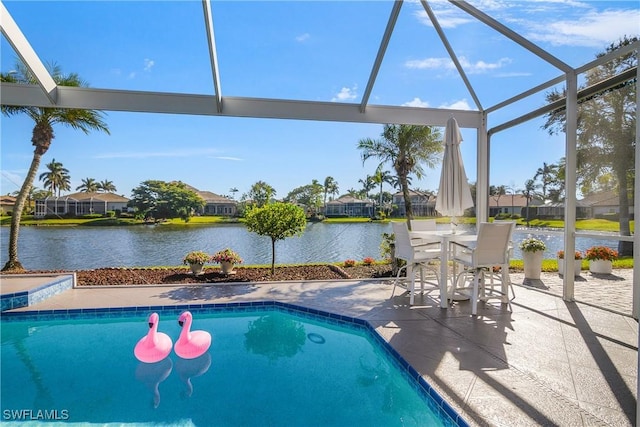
25, 290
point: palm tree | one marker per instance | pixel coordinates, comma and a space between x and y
45, 119
107, 186
380, 177
368, 184
406, 147
352, 192
88, 185
57, 179
330, 187
496, 192
547, 173
233, 190
528, 192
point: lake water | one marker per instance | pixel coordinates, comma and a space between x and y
77, 248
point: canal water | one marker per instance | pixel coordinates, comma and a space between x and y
78, 248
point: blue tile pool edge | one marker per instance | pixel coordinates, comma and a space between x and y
29, 297
422, 386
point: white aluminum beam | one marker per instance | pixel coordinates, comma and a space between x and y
213, 56
26, 53
635, 311
174, 103
560, 103
452, 54
609, 57
601, 60
527, 93
507, 32
482, 168
381, 51
571, 136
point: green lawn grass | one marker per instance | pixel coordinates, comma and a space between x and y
584, 225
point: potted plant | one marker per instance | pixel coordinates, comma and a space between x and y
227, 259
532, 250
600, 259
196, 260
577, 266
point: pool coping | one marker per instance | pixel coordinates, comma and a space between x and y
422, 386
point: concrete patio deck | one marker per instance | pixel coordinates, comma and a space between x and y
550, 362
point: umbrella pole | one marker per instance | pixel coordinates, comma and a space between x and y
453, 225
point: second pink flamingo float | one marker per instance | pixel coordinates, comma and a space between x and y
191, 344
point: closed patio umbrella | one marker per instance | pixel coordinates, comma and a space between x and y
454, 194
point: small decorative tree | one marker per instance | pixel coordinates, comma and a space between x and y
278, 221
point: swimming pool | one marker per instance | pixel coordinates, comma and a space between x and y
269, 364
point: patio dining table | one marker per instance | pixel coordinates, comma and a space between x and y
445, 237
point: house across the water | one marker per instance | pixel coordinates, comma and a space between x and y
82, 203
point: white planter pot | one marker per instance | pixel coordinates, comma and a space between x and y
196, 268
532, 264
226, 267
577, 267
600, 266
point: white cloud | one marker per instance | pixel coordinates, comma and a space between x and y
557, 22
153, 154
148, 64
478, 67
481, 67
446, 18
461, 104
593, 29
228, 158
303, 37
416, 102
346, 94
430, 64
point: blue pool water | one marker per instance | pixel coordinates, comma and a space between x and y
271, 367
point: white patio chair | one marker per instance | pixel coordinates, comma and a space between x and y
492, 249
416, 254
503, 275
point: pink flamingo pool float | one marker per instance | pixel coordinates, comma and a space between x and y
154, 346
191, 344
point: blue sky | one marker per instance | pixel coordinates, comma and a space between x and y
318, 51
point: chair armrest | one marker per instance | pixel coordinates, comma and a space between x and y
469, 248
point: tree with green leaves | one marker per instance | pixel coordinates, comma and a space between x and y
353, 192
406, 148
88, 185
379, 178
309, 195
278, 221
606, 130
528, 192
56, 179
330, 187
107, 186
160, 199
547, 174
42, 136
233, 191
368, 184
497, 191
260, 194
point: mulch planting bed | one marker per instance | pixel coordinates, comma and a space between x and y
152, 276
